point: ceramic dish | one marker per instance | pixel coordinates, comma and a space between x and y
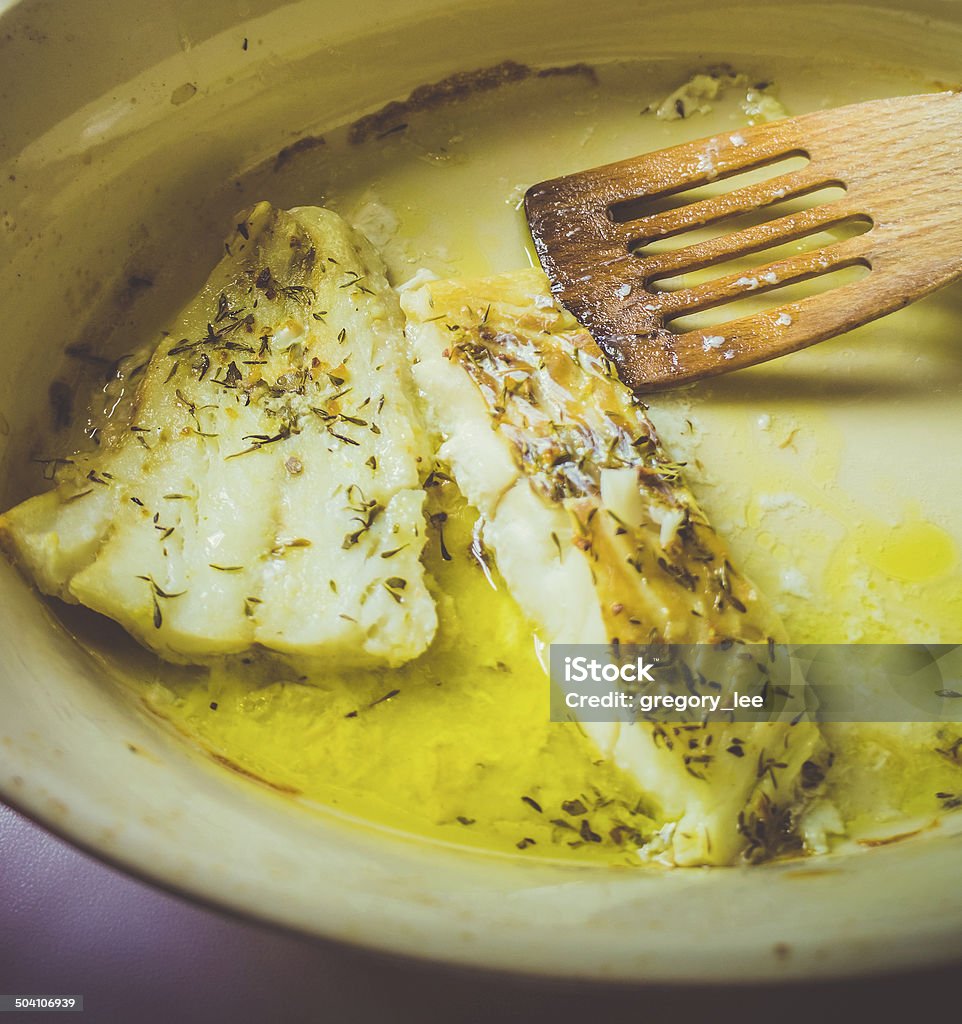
126, 127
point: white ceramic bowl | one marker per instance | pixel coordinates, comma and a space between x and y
99, 149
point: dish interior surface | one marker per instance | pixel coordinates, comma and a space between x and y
820, 470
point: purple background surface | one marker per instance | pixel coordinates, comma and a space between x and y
72, 926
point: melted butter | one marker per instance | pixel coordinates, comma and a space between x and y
913, 551
799, 521
888, 774
446, 746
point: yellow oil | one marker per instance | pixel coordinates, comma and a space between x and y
913, 551
456, 746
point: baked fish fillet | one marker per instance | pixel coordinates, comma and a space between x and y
599, 540
265, 490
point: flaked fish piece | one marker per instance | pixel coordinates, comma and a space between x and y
264, 491
600, 540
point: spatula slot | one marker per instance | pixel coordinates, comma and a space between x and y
729, 224
819, 283
697, 265
704, 185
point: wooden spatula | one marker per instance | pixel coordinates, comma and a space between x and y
900, 164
